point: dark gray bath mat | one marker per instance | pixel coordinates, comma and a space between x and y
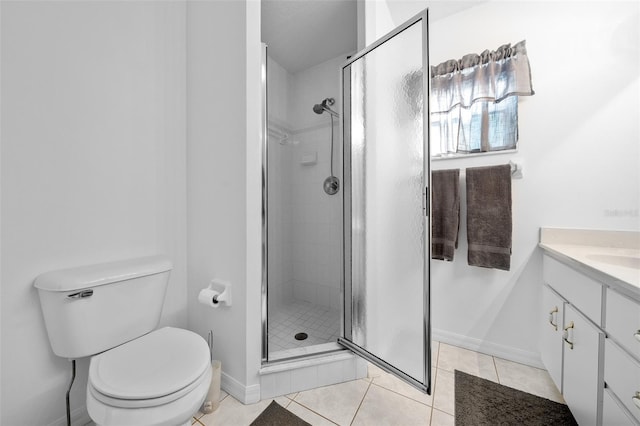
276, 415
483, 402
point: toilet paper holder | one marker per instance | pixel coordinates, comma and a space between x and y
223, 290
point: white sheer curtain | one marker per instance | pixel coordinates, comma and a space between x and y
474, 100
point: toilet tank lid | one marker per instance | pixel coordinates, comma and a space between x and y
100, 274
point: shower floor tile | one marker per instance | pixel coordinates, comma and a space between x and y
320, 323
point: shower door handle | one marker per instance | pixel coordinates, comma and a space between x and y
425, 201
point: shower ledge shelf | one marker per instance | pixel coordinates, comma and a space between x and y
309, 158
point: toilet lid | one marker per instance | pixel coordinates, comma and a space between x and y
155, 365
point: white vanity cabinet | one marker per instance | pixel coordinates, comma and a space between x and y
593, 355
572, 353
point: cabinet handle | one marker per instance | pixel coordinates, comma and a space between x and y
565, 336
637, 335
555, 326
636, 399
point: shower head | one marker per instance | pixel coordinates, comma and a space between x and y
322, 107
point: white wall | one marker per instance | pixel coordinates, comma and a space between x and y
578, 144
223, 74
94, 156
254, 126
93, 169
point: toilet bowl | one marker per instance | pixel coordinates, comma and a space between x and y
159, 379
138, 375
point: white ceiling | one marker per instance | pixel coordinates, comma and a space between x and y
303, 33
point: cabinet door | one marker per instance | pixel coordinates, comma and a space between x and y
583, 383
551, 334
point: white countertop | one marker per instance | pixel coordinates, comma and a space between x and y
613, 255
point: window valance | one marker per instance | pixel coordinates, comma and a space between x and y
489, 76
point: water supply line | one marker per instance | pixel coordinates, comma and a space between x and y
73, 377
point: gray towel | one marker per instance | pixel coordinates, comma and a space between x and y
489, 216
445, 213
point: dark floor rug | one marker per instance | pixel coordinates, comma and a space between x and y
276, 415
483, 402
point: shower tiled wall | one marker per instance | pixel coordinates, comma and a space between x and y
280, 159
316, 216
316, 222
304, 222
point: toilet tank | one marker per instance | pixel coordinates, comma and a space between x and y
90, 309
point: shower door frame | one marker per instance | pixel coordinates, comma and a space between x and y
425, 385
346, 339
265, 360
265, 139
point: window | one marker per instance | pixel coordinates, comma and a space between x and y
474, 101
486, 126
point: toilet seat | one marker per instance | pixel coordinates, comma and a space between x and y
155, 369
151, 402
177, 412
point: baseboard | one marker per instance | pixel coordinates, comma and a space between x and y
490, 348
245, 394
79, 417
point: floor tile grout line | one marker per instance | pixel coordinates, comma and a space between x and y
433, 398
435, 376
495, 366
294, 396
361, 401
443, 412
399, 394
289, 401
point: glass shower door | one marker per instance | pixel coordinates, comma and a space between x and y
386, 220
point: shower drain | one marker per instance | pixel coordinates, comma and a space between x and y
301, 336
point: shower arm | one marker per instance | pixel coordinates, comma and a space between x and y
330, 111
323, 107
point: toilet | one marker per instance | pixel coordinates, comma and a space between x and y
138, 375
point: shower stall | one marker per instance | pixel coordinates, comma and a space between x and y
346, 238
303, 209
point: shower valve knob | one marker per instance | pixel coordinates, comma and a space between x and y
331, 185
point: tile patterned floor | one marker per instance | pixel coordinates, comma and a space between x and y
381, 399
322, 325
